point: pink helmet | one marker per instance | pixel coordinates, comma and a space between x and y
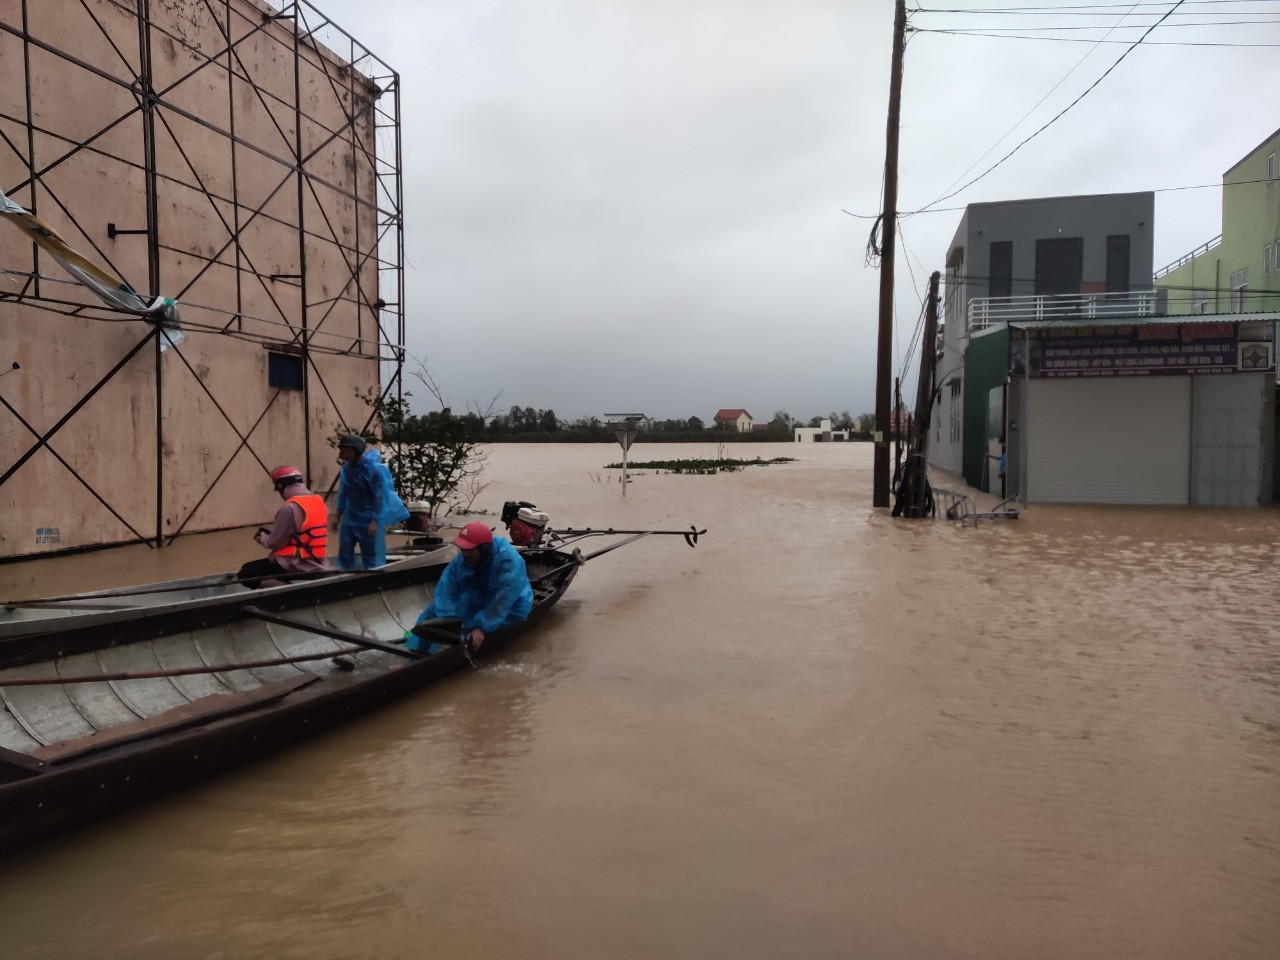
472, 535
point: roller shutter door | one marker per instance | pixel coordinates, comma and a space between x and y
1226, 442
1114, 440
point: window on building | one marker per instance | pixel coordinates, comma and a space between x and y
1239, 290
1118, 263
284, 371
1059, 266
1266, 260
1271, 167
1200, 301
1000, 282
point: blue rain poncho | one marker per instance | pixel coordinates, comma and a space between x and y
393, 509
494, 593
360, 493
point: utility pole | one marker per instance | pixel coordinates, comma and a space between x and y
913, 482
928, 361
897, 433
888, 239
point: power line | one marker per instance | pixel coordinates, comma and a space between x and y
1093, 86
1189, 186
1153, 43
1059, 28
1059, 9
1034, 108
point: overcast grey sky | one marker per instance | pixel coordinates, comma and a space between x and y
636, 204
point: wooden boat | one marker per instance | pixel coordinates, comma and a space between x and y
20, 619
109, 710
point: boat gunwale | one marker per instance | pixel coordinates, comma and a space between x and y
87, 632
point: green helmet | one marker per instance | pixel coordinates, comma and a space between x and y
352, 440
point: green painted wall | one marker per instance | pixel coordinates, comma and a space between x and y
1250, 222
986, 365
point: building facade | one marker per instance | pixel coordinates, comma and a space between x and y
253, 190
1237, 271
1142, 410
1048, 258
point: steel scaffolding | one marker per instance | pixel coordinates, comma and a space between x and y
363, 89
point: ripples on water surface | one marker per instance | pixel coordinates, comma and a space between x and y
823, 733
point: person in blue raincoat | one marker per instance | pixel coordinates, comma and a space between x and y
393, 509
486, 586
358, 517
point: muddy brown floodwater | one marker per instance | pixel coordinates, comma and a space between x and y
822, 733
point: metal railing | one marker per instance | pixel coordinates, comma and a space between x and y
986, 312
1188, 257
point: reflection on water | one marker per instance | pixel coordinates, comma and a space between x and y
821, 733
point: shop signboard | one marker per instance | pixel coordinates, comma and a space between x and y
1137, 350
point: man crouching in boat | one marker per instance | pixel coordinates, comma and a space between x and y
298, 538
485, 586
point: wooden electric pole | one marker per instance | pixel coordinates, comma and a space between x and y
913, 482
888, 239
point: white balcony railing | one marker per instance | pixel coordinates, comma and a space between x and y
992, 311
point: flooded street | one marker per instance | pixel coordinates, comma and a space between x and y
822, 733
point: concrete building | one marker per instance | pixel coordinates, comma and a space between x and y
1138, 410
733, 418
1049, 258
1237, 271
823, 433
259, 189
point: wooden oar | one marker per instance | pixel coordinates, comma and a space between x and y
198, 583
334, 634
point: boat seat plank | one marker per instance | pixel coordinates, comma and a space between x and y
191, 714
99, 703
146, 698
17, 766
13, 736
45, 712
178, 653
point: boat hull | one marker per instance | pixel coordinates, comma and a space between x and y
42, 798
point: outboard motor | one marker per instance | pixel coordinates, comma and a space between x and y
525, 522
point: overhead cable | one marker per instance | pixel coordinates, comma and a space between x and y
1056, 117
1021, 119
1152, 43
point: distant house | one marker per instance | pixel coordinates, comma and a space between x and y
734, 418
630, 421
823, 433
759, 427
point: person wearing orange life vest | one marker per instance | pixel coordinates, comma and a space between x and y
298, 538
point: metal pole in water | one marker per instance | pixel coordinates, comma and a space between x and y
625, 428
